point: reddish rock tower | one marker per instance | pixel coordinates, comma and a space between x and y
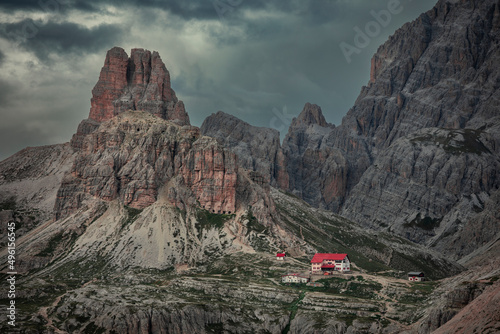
138, 82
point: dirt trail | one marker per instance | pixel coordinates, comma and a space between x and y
43, 311
388, 301
45, 316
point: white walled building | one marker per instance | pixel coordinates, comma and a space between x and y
294, 278
328, 262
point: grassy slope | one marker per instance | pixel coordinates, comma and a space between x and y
369, 250
219, 285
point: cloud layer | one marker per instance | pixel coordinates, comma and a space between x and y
258, 60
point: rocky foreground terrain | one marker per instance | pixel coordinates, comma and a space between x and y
111, 280
146, 224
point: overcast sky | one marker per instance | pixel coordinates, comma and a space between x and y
258, 60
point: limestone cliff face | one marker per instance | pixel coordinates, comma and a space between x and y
437, 71
29, 181
317, 171
210, 171
480, 315
258, 149
430, 119
132, 155
427, 185
137, 139
141, 82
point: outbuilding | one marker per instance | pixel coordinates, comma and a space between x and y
294, 278
416, 276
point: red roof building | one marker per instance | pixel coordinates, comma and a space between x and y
328, 262
280, 256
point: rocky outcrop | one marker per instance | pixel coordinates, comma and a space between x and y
444, 76
112, 82
477, 234
428, 123
210, 171
132, 155
480, 315
29, 181
426, 185
317, 172
258, 149
141, 82
310, 115
138, 312
467, 307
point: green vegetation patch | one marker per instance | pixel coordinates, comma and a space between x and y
452, 143
8, 204
430, 266
215, 328
293, 308
73, 273
253, 224
425, 223
418, 293
132, 214
348, 318
60, 241
92, 328
206, 220
364, 290
356, 287
54, 241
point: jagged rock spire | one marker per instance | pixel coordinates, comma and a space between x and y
311, 114
138, 82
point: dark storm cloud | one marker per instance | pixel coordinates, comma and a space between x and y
187, 10
46, 6
258, 60
2, 57
194, 9
286, 54
44, 39
12, 5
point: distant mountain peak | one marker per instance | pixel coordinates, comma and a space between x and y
311, 114
138, 82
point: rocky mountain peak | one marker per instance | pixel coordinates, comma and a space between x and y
138, 82
429, 121
311, 114
258, 149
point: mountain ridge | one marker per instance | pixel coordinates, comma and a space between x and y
439, 91
140, 203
